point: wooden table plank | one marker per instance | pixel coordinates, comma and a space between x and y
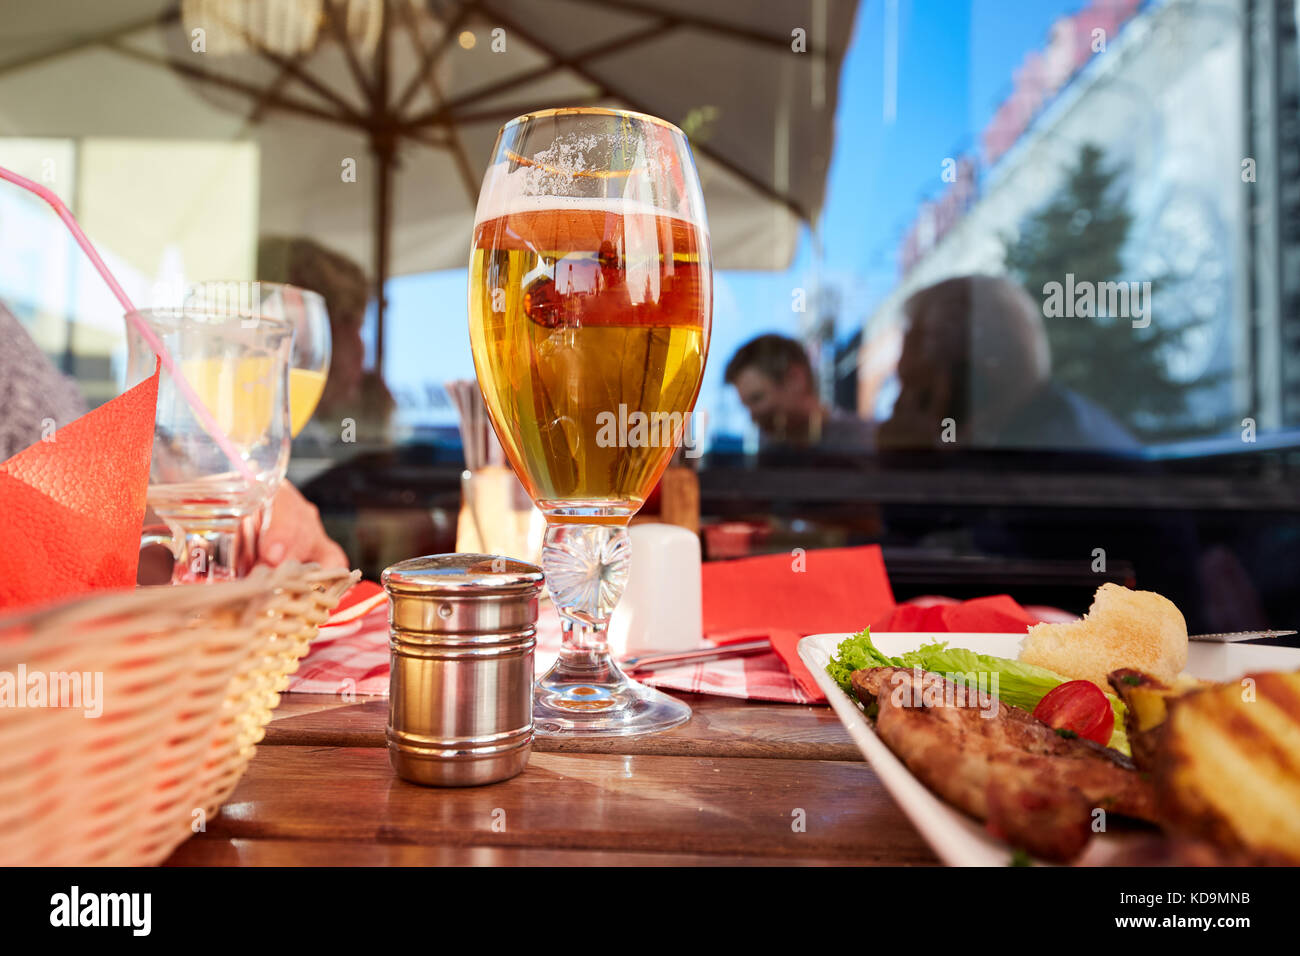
719, 727
296, 705
729, 807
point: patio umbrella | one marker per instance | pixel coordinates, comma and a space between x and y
375, 118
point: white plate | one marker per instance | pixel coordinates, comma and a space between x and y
957, 839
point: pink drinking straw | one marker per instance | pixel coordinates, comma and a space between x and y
155, 343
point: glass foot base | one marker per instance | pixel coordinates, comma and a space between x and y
620, 708
585, 694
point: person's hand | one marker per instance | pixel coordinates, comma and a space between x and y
295, 533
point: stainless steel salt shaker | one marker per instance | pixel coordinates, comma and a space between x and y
461, 634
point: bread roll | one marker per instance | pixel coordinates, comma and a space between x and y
1123, 628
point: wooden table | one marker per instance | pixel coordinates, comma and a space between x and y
741, 783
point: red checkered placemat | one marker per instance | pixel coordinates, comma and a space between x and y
353, 657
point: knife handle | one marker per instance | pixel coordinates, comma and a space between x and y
650, 662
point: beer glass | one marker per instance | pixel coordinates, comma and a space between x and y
590, 301
237, 366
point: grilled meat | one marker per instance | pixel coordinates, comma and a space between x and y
1031, 786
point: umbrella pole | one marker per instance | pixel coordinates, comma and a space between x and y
383, 143
385, 157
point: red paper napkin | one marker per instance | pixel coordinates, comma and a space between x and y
784, 597
73, 506
986, 615
812, 592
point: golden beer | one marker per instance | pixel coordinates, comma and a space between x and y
589, 329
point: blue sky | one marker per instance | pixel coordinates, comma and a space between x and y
955, 65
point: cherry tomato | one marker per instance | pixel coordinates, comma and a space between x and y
1078, 706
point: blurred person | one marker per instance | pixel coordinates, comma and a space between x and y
33, 391
350, 390
976, 352
776, 383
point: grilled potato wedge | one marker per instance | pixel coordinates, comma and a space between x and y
1226, 764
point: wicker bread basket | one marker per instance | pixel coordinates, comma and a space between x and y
187, 676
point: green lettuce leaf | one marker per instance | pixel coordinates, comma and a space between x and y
857, 653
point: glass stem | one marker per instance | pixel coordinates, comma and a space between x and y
586, 569
210, 555
221, 550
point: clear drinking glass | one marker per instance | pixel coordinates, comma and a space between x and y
590, 302
237, 366
309, 360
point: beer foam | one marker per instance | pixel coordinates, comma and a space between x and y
505, 193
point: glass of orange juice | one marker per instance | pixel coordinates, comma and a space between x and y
304, 310
237, 390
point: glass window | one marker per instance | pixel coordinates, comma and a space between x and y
1009, 286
